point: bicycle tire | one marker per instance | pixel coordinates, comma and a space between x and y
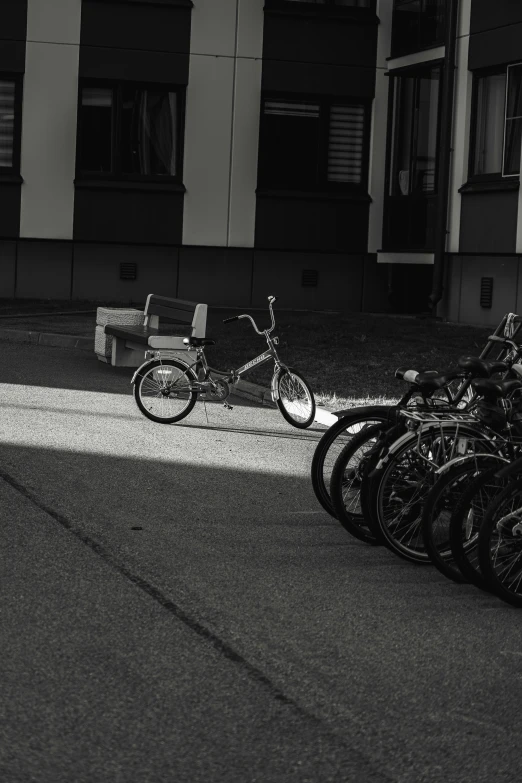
500, 550
288, 384
345, 484
334, 440
155, 391
437, 513
399, 509
466, 521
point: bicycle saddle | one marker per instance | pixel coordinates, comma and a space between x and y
480, 367
490, 388
198, 342
430, 381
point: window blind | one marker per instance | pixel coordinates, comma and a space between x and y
346, 144
7, 110
291, 109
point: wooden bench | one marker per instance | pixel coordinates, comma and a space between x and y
129, 343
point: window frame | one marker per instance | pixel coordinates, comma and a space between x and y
116, 175
497, 176
414, 199
323, 185
328, 6
14, 169
415, 72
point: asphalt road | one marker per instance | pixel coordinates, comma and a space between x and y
177, 607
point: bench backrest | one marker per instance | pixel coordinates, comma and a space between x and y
176, 310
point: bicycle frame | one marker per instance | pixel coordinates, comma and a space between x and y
203, 371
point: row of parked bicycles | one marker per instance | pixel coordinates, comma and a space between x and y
437, 478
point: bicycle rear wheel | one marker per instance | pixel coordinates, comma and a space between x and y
164, 391
345, 484
466, 521
437, 514
294, 398
333, 442
500, 544
405, 482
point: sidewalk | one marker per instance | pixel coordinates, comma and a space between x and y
72, 324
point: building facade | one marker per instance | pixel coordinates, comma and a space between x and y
358, 155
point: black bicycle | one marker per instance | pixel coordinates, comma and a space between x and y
166, 387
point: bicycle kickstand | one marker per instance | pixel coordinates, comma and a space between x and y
228, 406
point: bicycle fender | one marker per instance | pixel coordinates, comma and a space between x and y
140, 368
275, 378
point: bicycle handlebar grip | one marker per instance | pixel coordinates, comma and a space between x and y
228, 320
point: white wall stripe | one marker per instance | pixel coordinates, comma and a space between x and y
461, 128
377, 164
222, 123
49, 118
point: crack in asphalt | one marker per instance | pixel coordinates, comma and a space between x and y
222, 647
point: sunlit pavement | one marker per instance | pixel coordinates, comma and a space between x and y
177, 607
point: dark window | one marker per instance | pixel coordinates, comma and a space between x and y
10, 125
129, 129
415, 133
413, 160
417, 25
308, 145
496, 136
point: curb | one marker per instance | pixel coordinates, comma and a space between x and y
48, 339
244, 389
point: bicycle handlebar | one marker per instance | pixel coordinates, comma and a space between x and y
505, 340
271, 300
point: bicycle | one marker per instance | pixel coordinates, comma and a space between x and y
452, 387
166, 388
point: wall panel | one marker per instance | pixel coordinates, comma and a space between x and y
97, 272
44, 270
339, 280
219, 275
504, 272
136, 26
208, 140
488, 222
109, 214
54, 21
243, 180
7, 269
49, 140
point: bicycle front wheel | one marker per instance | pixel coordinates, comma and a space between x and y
334, 440
164, 391
294, 398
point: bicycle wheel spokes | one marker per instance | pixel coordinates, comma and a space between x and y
500, 544
352, 477
403, 489
165, 391
295, 399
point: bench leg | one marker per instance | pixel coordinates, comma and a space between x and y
125, 357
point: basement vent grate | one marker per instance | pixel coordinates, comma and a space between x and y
309, 278
486, 292
128, 271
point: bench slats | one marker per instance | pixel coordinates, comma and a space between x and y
159, 305
172, 313
126, 349
139, 334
